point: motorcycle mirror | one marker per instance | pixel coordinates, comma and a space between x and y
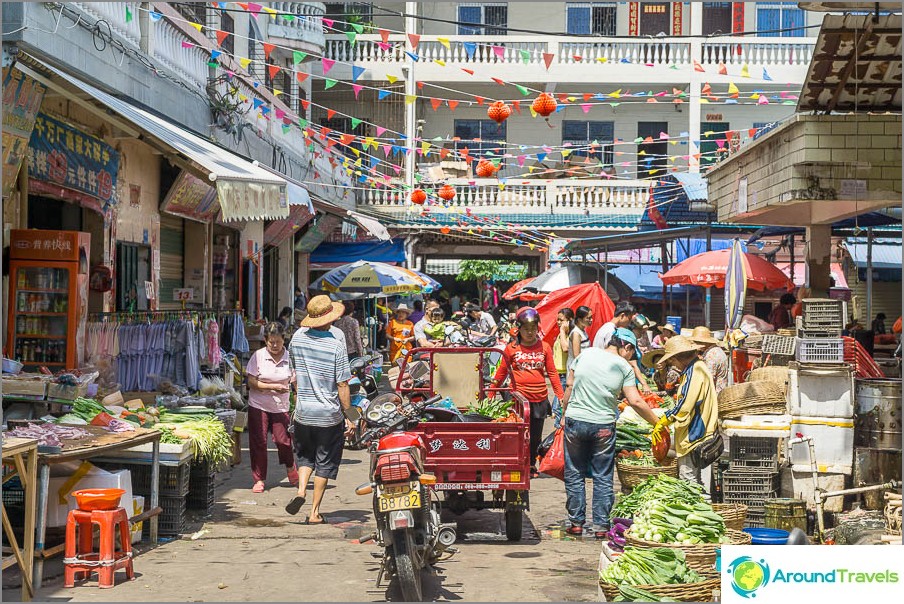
352, 414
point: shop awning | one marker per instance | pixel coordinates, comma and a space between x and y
244, 191
630, 241
329, 253
884, 256
644, 281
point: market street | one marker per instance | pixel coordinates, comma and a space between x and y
253, 550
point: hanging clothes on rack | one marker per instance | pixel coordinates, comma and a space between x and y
232, 334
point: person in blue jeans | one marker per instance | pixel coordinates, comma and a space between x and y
595, 381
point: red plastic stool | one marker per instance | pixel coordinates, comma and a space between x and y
81, 560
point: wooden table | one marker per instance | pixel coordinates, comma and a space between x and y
22, 453
100, 443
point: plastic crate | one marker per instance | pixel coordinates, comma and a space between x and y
13, 493
753, 452
823, 313
750, 486
775, 344
755, 519
820, 351
171, 521
202, 468
174, 480
202, 500
817, 332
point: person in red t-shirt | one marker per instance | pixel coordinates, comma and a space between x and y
532, 362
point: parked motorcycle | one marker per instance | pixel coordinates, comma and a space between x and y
405, 505
359, 367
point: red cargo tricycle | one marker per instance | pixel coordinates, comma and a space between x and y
478, 463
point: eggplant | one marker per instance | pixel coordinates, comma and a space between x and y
625, 522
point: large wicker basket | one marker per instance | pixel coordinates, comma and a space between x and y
778, 375
682, 592
702, 556
735, 514
630, 476
752, 398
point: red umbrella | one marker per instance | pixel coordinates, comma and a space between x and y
586, 294
708, 270
517, 292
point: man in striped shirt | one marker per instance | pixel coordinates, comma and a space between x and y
322, 397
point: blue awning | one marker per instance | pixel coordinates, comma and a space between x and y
884, 256
683, 251
644, 281
373, 251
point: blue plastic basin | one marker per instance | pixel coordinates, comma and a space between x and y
767, 536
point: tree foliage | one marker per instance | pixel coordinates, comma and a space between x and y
477, 270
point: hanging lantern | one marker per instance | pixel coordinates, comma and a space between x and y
447, 192
544, 105
486, 168
499, 112
418, 196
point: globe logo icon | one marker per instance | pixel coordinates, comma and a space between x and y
748, 575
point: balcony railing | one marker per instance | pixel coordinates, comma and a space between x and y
189, 63
307, 26
114, 14
530, 50
527, 197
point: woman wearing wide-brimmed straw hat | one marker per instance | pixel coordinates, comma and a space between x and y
666, 331
712, 354
400, 332
696, 414
664, 376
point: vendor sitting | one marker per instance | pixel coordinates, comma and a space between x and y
435, 331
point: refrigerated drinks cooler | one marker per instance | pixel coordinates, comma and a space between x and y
48, 298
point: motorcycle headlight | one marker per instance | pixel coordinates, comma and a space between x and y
387, 408
373, 415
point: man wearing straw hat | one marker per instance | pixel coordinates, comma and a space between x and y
712, 354
319, 426
696, 414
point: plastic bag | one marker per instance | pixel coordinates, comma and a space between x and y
546, 444
553, 463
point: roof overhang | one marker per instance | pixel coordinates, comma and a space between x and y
243, 191
630, 241
811, 211
856, 65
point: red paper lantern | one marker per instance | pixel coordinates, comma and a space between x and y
486, 168
447, 192
499, 112
545, 104
418, 196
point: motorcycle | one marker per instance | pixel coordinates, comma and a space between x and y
359, 367
360, 402
406, 507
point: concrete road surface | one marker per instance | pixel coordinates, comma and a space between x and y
251, 549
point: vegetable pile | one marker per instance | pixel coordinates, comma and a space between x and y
493, 408
630, 436
207, 434
628, 593
678, 522
617, 533
662, 488
654, 566
638, 458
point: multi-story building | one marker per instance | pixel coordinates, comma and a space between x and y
153, 84
643, 89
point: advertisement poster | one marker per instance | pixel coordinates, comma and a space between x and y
22, 99
191, 197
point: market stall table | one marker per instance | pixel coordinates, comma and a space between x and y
22, 454
100, 443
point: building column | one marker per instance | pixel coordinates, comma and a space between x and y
819, 258
286, 272
410, 108
696, 49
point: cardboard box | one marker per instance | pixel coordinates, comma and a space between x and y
60, 499
31, 388
66, 393
137, 508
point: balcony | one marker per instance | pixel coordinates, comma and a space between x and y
521, 58
539, 203
304, 32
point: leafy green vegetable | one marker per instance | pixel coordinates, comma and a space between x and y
493, 408
662, 488
654, 566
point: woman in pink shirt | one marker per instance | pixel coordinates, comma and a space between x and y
270, 374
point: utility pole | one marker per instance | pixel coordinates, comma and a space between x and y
410, 111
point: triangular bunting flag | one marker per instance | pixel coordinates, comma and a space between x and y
328, 22
383, 94
470, 49
444, 42
586, 107
257, 103
707, 89
732, 89
357, 27
357, 72
197, 26
547, 59
330, 113
357, 88
268, 48
435, 103
479, 100
524, 91
413, 56
722, 69
221, 36
439, 62
745, 71
517, 104
698, 66
384, 35
244, 62
499, 51
392, 79
763, 100
498, 81
301, 76
525, 56
452, 105
410, 98
380, 130
766, 75
468, 71
298, 57
305, 104
327, 64
352, 37
273, 70
414, 39
328, 83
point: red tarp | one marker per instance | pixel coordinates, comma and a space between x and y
586, 294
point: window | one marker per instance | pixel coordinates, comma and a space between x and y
717, 18
590, 18
255, 53
762, 128
582, 134
346, 13
227, 24
487, 15
489, 134
773, 17
196, 12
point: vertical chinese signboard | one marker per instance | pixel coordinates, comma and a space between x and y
65, 156
22, 99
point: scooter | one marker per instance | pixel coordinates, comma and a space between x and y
359, 367
406, 507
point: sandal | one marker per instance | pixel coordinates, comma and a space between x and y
575, 529
292, 473
258, 487
293, 506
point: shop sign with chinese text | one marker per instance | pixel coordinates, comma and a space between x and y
22, 99
66, 156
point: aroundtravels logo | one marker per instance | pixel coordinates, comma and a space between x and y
748, 575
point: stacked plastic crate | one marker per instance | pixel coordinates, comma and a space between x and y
752, 476
821, 398
201, 492
172, 489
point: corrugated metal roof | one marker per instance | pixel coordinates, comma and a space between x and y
856, 65
884, 256
694, 185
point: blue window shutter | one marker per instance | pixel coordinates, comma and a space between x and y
469, 14
793, 19
602, 131
768, 19
578, 20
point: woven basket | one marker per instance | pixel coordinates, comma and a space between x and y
777, 375
893, 517
702, 556
735, 514
682, 592
752, 398
754, 340
630, 476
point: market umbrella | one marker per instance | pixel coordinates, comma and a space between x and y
586, 294
432, 283
569, 275
366, 277
735, 287
708, 270
516, 290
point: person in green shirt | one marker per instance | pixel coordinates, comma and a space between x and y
595, 382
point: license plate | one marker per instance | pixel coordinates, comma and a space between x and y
390, 502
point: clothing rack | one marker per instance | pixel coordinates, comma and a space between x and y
165, 314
